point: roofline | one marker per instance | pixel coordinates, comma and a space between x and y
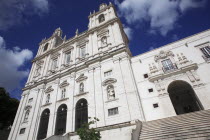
173, 42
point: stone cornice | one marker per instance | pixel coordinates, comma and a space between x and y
75, 39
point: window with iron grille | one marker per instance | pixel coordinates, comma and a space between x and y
113, 111
206, 51
168, 65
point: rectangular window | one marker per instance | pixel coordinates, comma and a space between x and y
145, 75
150, 90
82, 52
155, 105
30, 100
107, 73
168, 65
113, 111
54, 64
206, 51
68, 57
22, 130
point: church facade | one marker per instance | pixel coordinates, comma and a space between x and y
94, 74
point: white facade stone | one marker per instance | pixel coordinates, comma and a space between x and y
132, 98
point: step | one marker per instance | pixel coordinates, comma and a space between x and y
194, 125
178, 135
173, 130
176, 132
168, 126
175, 119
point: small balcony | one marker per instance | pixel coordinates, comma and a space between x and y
171, 69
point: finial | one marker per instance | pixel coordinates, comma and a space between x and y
77, 32
94, 12
110, 3
90, 13
64, 38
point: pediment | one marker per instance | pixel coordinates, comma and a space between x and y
55, 55
49, 89
64, 84
163, 54
68, 48
82, 77
109, 81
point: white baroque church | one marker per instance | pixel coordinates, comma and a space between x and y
160, 94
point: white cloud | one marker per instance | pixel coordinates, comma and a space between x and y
162, 15
13, 12
10, 62
129, 32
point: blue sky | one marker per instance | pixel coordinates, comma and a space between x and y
149, 24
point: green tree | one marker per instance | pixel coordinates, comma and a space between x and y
87, 133
8, 109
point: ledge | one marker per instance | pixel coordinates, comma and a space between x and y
112, 100
46, 104
108, 127
63, 99
80, 94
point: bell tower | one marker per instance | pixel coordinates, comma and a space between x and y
105, 14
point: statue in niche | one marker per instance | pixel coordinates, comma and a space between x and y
103, 41
81, 88
111, 92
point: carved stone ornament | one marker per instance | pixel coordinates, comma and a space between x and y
102, 6
64, 84
109, 81
55, 55
163, 54
40, 62
28, 107
103, 32
49, 89
82, 77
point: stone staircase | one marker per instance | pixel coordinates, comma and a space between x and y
191, 126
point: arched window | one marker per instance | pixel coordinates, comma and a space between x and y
26, 115
46, 46
104, 41
110, 92
101, 18
60, 127
43, 125
81, 115
63, 93
48, 98
81, 87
